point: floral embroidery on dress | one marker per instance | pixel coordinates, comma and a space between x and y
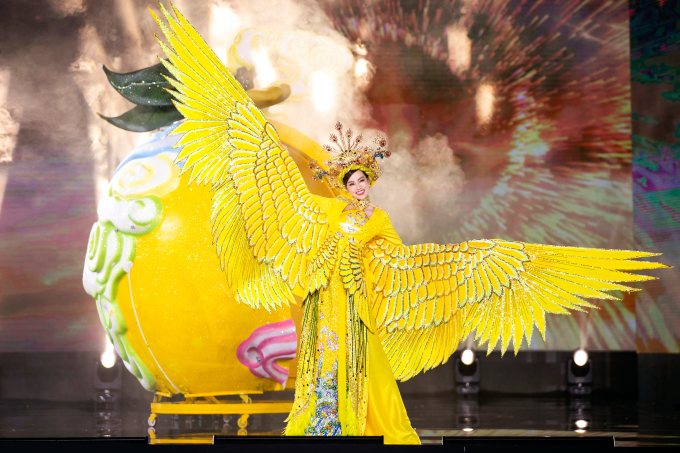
354, 222
325, 421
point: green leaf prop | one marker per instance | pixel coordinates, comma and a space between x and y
147, 89
145, 118
143, 87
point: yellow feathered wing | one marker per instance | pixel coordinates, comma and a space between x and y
264, 220
427, 298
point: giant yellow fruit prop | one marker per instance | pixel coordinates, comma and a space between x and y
163, 299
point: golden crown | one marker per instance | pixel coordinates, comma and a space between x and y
349, 154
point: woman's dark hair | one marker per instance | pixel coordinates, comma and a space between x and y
349, 175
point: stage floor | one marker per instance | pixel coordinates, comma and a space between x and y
448, 414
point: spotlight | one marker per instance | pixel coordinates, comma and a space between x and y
467, 357
467, 373
266, 74
107, 376
108, 358
581, 424
361, 68
107, 382
580, 372
363, 72
460, 49
485, 99
323, 91
580, 357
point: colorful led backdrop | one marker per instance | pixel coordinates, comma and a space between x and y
532, 99
507, 119
655, 69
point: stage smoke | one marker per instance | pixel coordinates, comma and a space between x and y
419, 187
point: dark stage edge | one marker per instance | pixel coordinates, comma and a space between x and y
315, 445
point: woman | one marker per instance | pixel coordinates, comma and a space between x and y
345, 384
374, 309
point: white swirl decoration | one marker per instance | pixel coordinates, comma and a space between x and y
131, 208
155, 175
136, 217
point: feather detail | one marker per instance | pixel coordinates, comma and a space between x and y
264, 221
499, 289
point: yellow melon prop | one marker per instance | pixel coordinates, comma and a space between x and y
156, 278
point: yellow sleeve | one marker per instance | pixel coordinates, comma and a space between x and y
388, 232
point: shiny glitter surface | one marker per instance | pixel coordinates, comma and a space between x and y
325, 420
353, 221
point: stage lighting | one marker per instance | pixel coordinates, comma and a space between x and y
580, 357
467, 357
107, 377
108, 358
363, 72
485, 99
224, 23
460, 49
323, 91
581, 424
361, 68
580, 372
266, 74
107, 383
467, 373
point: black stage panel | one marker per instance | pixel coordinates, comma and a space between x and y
308, 444
313, 445
297, 440
525, 441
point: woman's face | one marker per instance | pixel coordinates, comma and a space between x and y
357, 185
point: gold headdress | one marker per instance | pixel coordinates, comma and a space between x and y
349, 154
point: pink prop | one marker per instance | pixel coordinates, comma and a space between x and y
267, 344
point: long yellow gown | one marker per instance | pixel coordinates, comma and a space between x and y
345, 384
375, 310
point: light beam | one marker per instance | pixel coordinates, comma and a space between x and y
467, 357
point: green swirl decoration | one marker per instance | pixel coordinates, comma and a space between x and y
110, 253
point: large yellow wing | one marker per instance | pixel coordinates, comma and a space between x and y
429, 297
264, 220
